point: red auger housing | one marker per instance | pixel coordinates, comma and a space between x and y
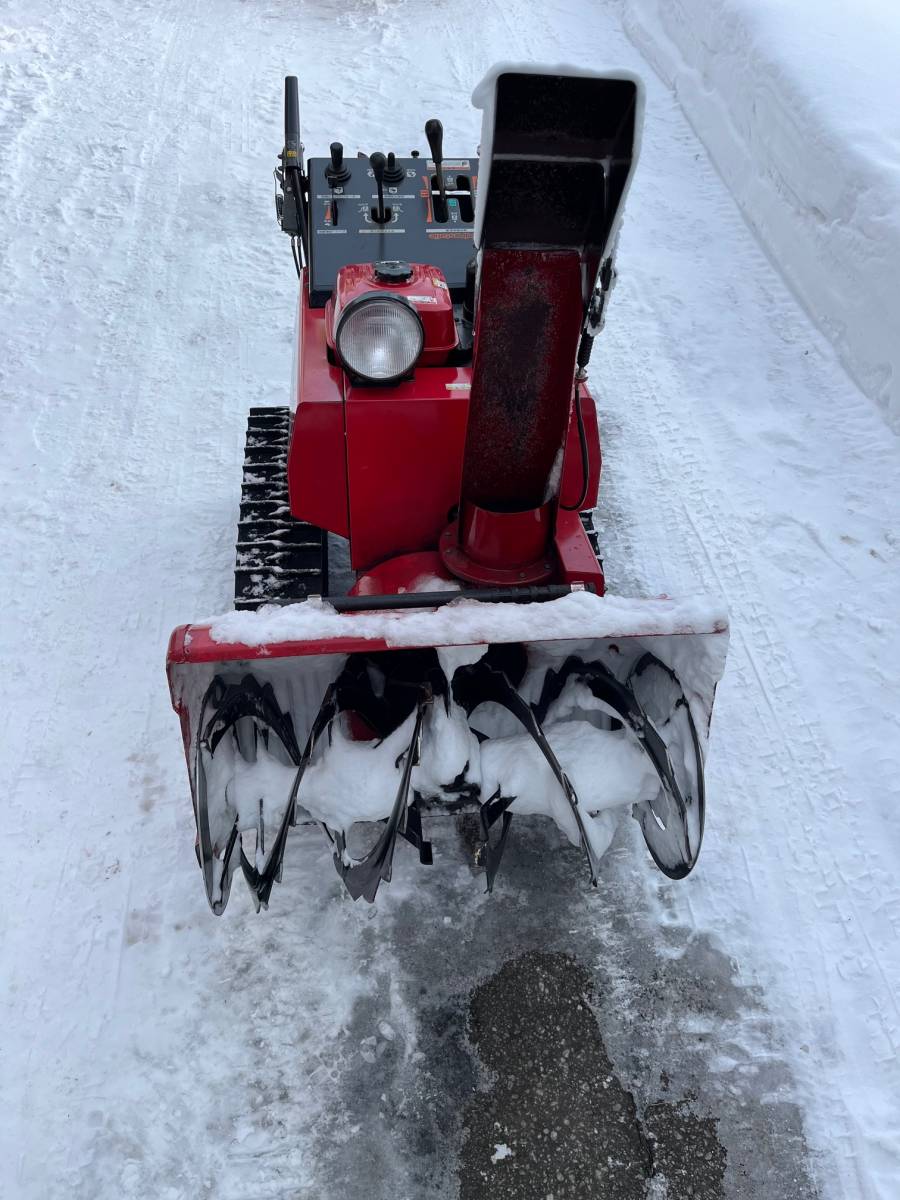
442, 433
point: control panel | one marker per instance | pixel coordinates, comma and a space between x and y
364, 210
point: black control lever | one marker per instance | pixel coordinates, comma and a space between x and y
336, 173
292, 208
378, 162
393, 173
292, 123
434, 131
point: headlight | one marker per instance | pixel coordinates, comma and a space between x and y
379, 337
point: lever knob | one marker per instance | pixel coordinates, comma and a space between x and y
336, 172
378, 162
393, 173
434, 131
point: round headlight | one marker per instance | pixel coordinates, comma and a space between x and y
379, 337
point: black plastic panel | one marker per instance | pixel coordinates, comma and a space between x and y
343, 229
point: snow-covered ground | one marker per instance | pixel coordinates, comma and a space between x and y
797, 105
319, 1050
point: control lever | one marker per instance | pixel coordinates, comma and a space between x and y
393, 173
378, 162
434, 131
290, 205
293, 148
336, 173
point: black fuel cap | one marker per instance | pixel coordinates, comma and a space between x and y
392, 270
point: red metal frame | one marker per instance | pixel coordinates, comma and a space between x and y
317, 460
575, 555
404, 455
383, 466
405, 573
193, 645
500, 549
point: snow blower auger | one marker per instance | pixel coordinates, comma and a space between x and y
443, 433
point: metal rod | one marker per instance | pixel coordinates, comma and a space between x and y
515, 595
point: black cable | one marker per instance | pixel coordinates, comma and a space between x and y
297, 182
585, 464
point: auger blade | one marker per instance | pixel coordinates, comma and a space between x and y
672, 823
241, 727
490, 852
362, 876
483, 682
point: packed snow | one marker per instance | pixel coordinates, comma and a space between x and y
358, 781
146, 302
470, 622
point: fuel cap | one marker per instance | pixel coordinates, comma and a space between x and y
392, 270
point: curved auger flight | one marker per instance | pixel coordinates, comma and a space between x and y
243, 722
389, 710
444, 437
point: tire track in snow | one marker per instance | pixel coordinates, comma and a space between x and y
795, 765
792, 750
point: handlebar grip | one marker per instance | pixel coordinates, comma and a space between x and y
291, 122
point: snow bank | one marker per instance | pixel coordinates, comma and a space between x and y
797, 105
471, 622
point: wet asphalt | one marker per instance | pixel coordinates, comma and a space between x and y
560, 1043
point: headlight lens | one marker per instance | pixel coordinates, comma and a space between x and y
379, 337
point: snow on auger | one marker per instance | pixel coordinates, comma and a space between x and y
443, 427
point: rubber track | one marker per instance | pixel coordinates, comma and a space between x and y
587, 521
278, 559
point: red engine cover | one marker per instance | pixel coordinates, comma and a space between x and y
426, 291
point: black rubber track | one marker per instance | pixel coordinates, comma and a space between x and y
278, 559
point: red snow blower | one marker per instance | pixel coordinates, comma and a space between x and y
443, 437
